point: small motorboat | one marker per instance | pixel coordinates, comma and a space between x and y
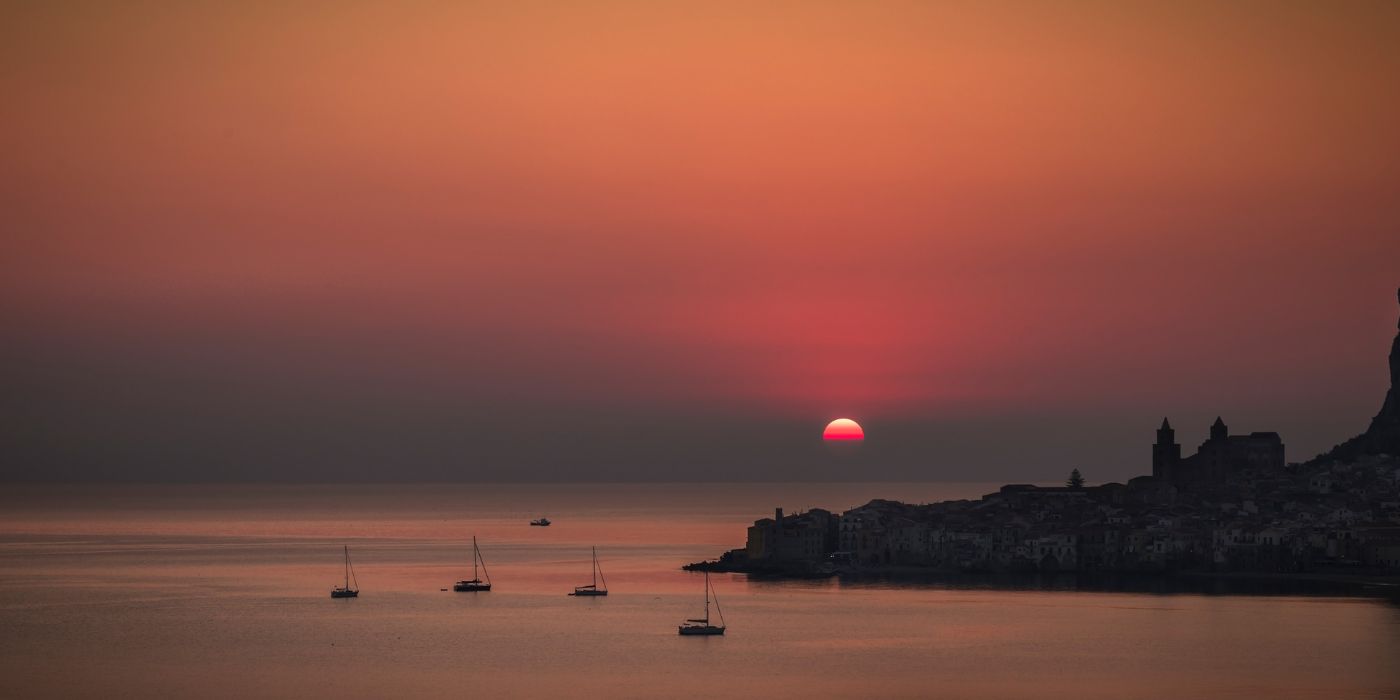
540, 522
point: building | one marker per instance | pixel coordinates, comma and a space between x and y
803, 537
1221, 458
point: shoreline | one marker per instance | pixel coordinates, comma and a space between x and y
1216, 582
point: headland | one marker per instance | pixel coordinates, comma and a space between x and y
1235, 508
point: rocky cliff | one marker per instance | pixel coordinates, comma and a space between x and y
1383, 435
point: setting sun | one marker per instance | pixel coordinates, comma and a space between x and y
843, 429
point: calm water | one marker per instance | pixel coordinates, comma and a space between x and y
221, 591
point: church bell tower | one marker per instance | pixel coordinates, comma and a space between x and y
1165, 453
1218, 431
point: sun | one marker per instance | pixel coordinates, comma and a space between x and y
843, 429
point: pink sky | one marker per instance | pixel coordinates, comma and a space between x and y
730, 219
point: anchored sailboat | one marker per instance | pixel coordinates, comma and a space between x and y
593, 589
702, 626
346, 591
475, 583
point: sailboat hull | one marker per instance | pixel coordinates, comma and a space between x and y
592, 590
474, 584
700, 630
700, 626
346, 591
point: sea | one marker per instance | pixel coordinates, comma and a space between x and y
222, 591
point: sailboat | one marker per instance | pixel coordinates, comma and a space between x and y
346, 591
702, 626
475, 583
592, 588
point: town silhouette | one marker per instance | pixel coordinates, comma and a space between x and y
1234, 506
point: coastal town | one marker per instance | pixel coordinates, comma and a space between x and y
1235, 505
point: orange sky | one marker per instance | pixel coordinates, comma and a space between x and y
916, 213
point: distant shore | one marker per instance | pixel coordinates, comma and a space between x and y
1218, 582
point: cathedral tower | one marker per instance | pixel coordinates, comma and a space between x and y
1165, 453
1218, 431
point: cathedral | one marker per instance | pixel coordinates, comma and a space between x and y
1220, 458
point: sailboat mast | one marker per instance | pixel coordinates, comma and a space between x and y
719, 610
707, 597
476, 554
595, 568
347, 566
